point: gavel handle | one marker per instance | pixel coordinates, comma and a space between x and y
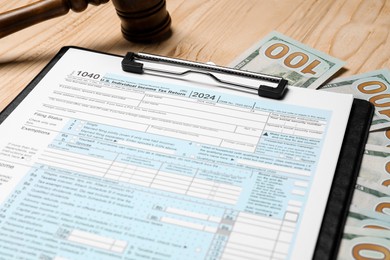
23, 17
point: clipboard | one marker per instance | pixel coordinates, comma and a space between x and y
349, 159
344, 181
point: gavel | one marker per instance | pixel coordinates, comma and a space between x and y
141, 20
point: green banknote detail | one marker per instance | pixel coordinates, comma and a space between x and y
279, 55
373, 86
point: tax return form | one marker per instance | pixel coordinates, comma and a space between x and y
98, 163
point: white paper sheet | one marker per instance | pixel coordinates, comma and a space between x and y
100, 163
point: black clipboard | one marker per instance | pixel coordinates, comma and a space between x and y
344, 180
346, 172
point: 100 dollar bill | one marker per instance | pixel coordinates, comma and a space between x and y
368, 200
373, 220
376, 167
362, 243
380, 138
374, 87
279, 55
366, 234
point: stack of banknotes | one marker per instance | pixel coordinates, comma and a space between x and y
367, 230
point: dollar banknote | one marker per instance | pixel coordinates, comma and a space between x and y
380, 138
366, 234
373, 220
367, 200
375, 167
372, 86
368, 183
364, 243
372, 232
279, 55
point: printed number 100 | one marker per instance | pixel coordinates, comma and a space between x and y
293, 60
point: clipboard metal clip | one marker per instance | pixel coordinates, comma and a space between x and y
270, 86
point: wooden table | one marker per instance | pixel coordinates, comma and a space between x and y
357, 31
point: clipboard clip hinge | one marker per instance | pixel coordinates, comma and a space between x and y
131, 63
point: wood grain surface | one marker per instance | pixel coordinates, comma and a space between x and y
356, 31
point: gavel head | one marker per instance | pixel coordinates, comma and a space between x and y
143, 20
81, 5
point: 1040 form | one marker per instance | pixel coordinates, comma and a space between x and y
97, 163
